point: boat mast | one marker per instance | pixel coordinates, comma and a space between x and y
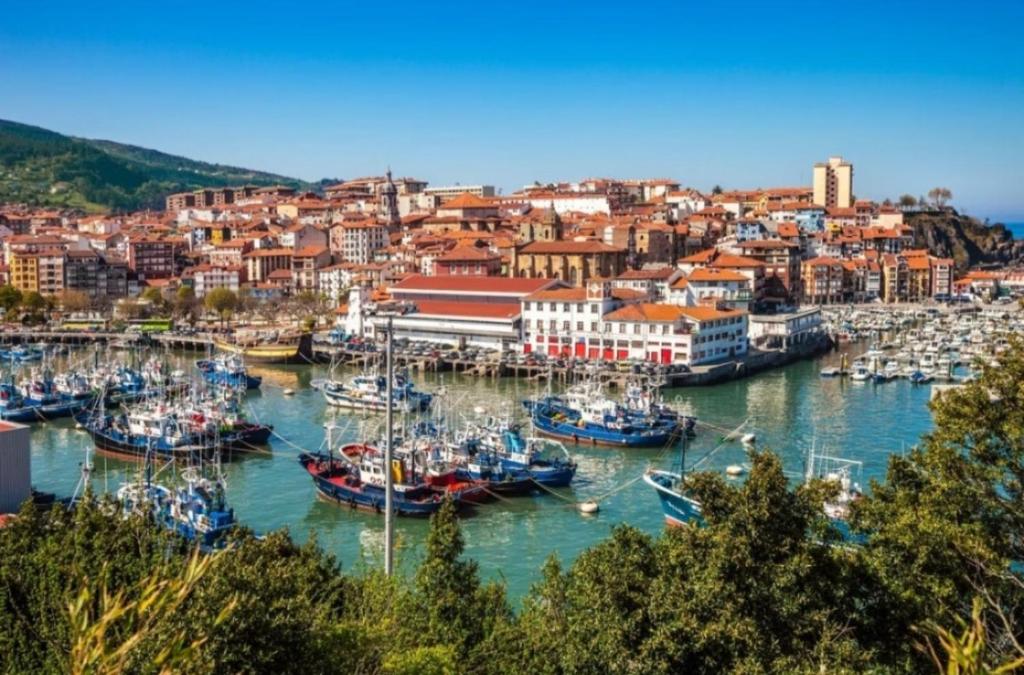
389, 514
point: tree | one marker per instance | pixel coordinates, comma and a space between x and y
717, 190
33, 301
75, 301
222, 301
939, 196
185, 303
155, 299
10, 297
908, 201
948, 520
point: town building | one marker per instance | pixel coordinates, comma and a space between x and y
833, 183
574, 262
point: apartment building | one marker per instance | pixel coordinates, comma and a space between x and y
833, 183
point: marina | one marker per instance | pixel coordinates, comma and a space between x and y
790, 408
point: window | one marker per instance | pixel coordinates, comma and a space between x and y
579, 306
579, 325
593, 308
565, 306
622, 328
565, 326
636, 329
526, 305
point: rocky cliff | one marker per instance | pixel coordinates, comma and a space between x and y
966, 240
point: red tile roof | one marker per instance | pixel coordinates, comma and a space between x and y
468, 284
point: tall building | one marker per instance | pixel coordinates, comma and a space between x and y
833, 183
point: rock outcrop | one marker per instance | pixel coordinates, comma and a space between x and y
968, 241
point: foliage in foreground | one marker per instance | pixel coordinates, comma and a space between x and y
761, 588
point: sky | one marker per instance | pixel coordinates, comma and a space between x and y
738, 94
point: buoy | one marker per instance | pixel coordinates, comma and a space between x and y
749, 439
78, 425
588, 507
479, 410
289, 392
734, 470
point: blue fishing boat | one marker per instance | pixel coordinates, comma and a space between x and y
228, 370
197, 511
157, 431
585, 415
545, 461
355, 478
38, 400
677, 504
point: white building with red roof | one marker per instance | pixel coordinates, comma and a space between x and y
456, 309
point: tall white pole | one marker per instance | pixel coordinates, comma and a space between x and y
389, 514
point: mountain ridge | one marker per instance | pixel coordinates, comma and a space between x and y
41, 167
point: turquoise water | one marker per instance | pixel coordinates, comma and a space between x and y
788, 409
1017, 229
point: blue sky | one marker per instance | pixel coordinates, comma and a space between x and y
742, 94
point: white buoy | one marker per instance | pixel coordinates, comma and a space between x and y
479, 410
78, 425
288, 392
749, 439
734, 470
588, 507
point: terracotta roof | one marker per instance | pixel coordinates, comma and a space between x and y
705, 256
468, 200
470, 284
713, 274
646, 311
310, 251
739, 261
467, 253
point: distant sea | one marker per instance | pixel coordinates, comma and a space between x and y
1017, 229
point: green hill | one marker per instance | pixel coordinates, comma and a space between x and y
44, 168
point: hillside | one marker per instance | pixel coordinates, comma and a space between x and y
42, 167
967, 240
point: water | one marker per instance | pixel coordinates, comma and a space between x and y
1017, 229
788, 409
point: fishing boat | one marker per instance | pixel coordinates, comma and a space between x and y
197, 511
368, 392
545, 462
21, 354
355, 477
844, 475
151, 430
585, 414
228, 370
38, 400
275, 346
831, 371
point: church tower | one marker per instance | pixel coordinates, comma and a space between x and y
551, 228
387, 210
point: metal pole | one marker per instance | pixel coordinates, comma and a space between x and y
389, 514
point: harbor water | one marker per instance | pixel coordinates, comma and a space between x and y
788, 409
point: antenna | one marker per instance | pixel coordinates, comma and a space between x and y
389, 514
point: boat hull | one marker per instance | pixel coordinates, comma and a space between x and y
677, 508
331, 485
300, 351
